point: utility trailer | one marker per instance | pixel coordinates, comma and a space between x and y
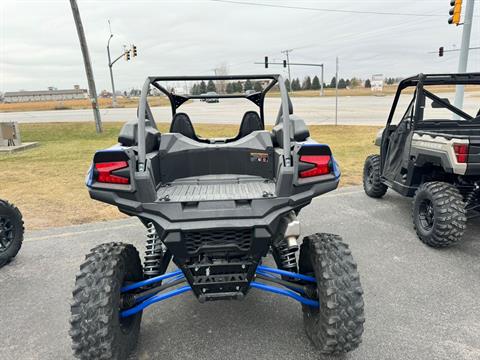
215, 208
433, 155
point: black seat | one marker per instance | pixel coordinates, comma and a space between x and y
181, 124
250, 122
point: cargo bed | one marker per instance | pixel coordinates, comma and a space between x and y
217, 187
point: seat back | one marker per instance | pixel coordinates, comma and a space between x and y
250, 122
182, 124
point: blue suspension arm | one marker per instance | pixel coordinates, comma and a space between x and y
289, 293
178, 274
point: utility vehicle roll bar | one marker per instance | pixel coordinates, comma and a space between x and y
177, 100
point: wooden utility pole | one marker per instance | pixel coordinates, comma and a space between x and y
88, 66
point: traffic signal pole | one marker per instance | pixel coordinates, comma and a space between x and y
463, 60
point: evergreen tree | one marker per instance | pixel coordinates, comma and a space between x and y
230, 88
237, 87
315, 83
333, 82
211, 86
342, 84
194, 89
347, 83
296, 84
368, 84
202, 88
257, 86
248, 85
307, 83
287, 84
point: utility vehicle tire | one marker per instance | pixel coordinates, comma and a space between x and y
439, 215
372, 183
337, 326
97, 331
11, 231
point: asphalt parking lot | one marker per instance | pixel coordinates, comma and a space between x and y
420, 303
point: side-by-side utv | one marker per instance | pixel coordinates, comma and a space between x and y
433, 155
215, 208
11, 232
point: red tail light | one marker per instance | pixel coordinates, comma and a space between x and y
461, 151
104, 172
322, 165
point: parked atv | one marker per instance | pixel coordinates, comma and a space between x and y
11, 232
216, 208
431, 157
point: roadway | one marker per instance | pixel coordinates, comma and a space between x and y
420, 303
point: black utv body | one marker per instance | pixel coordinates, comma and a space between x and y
433, 158
215, 207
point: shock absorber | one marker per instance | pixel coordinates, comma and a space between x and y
473, 198
286, 246
154, 253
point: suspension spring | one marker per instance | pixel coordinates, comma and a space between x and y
473, 197
154, 253
287, 255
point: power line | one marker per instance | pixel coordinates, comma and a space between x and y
327, 10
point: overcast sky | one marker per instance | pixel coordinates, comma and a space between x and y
39, 46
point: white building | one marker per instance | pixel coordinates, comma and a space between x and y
45, 95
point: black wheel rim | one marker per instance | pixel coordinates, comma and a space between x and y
426, 214
127, 322
6, 233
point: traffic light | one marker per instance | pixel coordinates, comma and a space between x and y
127, 55
266, 62
455, 12
284, 63
440, 51
134, 50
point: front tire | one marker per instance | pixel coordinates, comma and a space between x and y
97, 331
11, 232
372, 183
337, 326
439, 215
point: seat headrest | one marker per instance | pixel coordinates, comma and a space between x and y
250, 122
181, 124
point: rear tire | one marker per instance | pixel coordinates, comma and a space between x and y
439, 215
337, 326
372, 183
11, 232
97, 331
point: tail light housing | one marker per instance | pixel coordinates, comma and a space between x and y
107, 172
322, 165
461, 152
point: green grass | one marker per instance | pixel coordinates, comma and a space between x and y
47, 182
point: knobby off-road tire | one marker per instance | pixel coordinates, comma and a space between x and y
439, 215
337, 326
11, 232
97, 331
372, 183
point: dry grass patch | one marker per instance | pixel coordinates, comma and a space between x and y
47, 182
79, 104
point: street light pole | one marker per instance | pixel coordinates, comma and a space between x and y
88, 66
110, 65
336, 91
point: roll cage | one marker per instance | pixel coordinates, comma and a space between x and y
421, 80
258, 98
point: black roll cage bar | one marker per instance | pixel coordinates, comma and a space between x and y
144, 112
420, 80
